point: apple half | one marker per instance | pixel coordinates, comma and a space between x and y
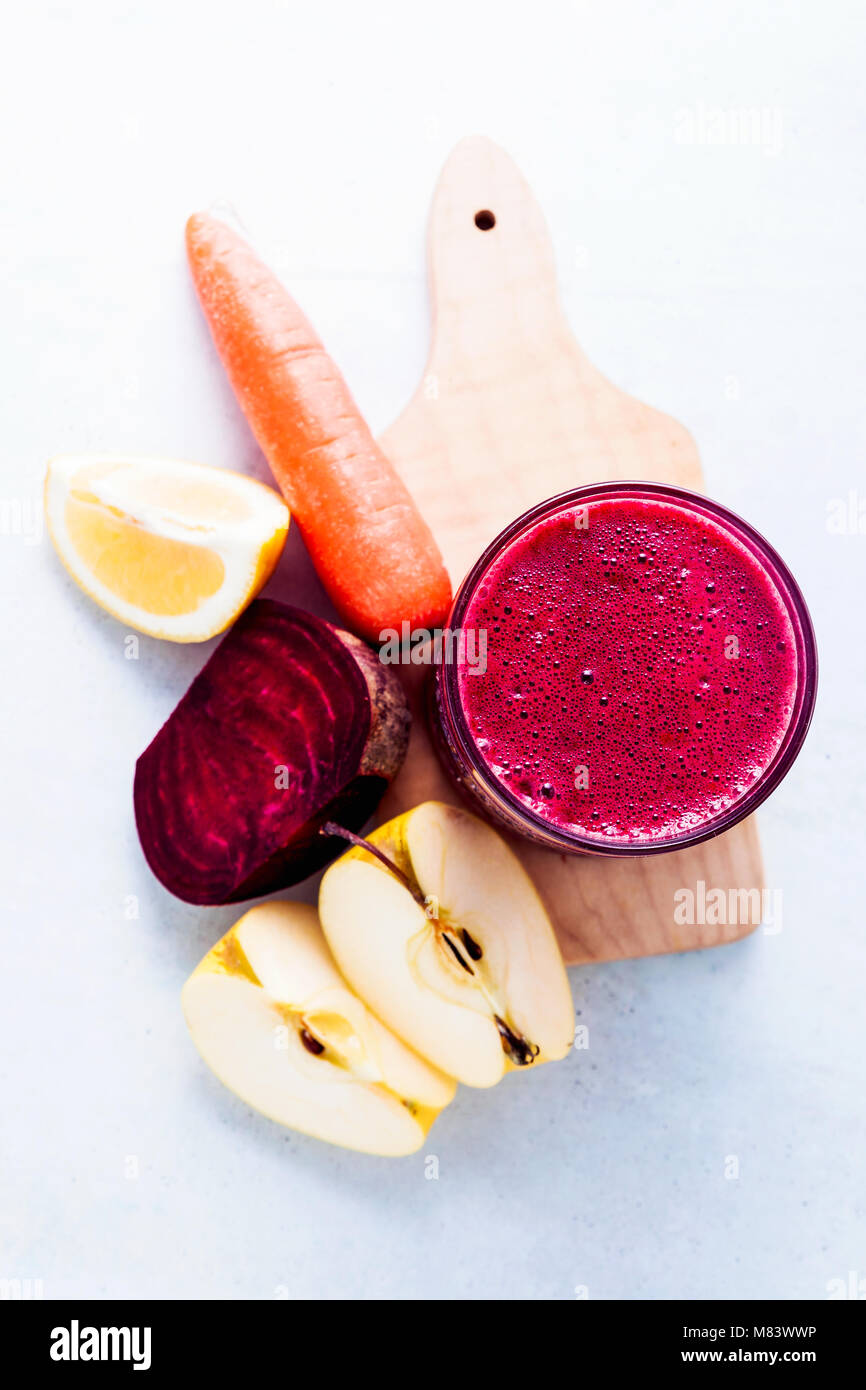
440, 930
271, 1015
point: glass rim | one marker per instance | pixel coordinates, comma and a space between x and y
804, 699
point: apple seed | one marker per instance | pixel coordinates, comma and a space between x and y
516, 1048
310, 1043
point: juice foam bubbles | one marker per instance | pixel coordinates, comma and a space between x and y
641, 669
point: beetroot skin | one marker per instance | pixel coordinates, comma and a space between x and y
291, 723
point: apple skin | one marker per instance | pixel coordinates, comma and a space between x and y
275, 1021
454, 951
290, 723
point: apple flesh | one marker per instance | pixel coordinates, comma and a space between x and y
290, 723
271, 1015
454, 951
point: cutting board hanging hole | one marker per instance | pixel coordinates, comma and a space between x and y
485, 220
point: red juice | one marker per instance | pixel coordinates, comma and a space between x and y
642, 668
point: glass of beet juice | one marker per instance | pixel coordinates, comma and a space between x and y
635, 672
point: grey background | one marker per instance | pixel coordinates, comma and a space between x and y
723, 283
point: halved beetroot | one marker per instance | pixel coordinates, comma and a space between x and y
291, 723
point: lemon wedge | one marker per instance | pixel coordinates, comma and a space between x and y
174, 549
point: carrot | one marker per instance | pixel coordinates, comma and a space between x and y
373, 551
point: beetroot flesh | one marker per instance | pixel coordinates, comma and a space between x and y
284, 699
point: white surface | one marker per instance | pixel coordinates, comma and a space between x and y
723, 283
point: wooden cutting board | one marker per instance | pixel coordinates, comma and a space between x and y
510, 411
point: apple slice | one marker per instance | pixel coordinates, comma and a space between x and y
439, 929
271, 1015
